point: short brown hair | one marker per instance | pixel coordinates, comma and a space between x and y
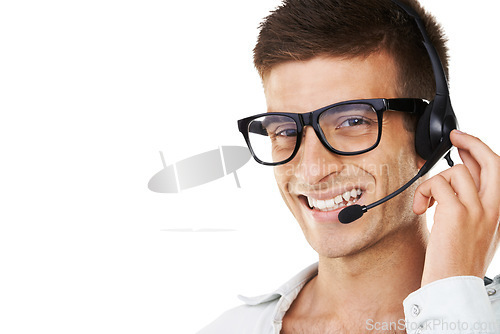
303, 29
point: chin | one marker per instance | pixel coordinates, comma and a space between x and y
340, 240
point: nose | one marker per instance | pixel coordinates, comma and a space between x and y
314, 162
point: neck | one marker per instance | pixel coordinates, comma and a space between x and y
375, 281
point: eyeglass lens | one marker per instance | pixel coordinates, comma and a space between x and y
347, 128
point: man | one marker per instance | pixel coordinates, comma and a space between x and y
384, 272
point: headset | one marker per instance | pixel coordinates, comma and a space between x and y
432, 135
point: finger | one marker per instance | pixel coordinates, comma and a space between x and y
489, 165
478, 150
462, 182
438, 188
462, 186
472, 165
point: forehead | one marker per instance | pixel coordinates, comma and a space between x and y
300, 86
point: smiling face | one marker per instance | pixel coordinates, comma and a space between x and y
317, 183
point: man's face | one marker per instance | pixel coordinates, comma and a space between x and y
316, 174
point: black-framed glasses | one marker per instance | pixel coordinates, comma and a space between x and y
345, 128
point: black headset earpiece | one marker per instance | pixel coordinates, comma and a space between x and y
423, 144
432, 136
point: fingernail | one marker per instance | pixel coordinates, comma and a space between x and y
459, 132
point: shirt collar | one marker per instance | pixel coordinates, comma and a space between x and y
290, 289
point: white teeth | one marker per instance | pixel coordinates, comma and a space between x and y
347, 198
330, 203
338, 199
346, 195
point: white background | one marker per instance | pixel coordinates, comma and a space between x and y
90, 92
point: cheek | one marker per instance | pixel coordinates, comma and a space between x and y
394, 161
399, 165
398, 143
282, 174
395, 135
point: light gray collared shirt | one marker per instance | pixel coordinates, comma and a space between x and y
460, 304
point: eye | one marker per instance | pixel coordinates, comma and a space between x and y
354, 121
287, 133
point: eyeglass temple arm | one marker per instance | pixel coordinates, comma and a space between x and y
406, 105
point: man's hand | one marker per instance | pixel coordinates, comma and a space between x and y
465, 233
